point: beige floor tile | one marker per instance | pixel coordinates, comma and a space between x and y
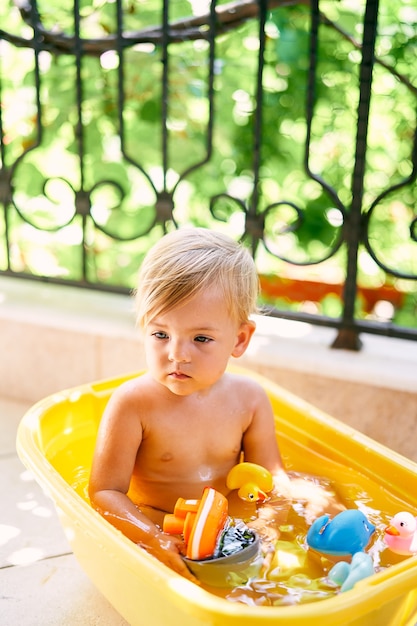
29, 526
53, 592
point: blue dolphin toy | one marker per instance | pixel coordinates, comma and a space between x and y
348, 532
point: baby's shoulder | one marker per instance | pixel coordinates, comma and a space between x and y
243, 384
134, 390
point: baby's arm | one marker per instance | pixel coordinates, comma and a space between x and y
259, 440
260, 446
118, 441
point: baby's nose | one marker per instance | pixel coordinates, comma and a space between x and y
178, 352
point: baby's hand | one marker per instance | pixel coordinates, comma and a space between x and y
282, 485
168, 549
273, 513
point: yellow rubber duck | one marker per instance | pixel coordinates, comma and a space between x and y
253, 481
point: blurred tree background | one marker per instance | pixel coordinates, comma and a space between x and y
94, 141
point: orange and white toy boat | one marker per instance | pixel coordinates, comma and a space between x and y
201, 522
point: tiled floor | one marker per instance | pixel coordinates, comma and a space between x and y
41, 583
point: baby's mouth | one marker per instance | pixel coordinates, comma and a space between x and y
179, 375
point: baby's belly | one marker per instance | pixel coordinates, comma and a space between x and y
163, 495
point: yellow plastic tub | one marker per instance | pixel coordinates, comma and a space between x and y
56, 440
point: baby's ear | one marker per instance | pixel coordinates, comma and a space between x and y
243, 337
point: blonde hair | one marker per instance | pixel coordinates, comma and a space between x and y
189, 260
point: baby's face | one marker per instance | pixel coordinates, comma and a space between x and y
188, 347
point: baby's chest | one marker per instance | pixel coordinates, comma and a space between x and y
190, 438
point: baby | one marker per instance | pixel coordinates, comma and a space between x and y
185, 423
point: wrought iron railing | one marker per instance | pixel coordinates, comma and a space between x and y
261, 118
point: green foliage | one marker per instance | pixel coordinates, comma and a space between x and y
116, 155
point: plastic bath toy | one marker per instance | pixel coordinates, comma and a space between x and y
348, 574
401, 534
348, 532
220, 552
200, 521
252, 481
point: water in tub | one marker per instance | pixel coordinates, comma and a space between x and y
292, 572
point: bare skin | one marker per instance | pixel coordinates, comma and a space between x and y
182, 426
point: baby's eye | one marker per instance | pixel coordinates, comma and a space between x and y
159, 334
202, 339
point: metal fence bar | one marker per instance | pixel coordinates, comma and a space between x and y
348, 335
